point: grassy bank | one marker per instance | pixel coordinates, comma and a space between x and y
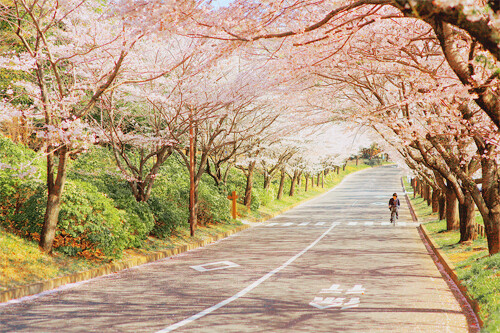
477, 271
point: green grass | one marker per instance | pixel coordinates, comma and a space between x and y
478, 271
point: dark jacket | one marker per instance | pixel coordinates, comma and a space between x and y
394, 203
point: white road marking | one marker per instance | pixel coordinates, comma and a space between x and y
247, 289
320, 223
352, 223
271, 224
287, 224
386, 223
327, 302
357, 289
334, 289
369, 223
218, 265
353, 302
304, 223
403, 224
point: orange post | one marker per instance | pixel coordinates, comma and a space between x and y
233, 197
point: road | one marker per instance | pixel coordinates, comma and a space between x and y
333, 264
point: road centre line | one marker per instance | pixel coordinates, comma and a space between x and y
247, 289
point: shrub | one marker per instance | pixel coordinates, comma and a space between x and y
169, 205
89, 223
213, 206
97, 167
19, 175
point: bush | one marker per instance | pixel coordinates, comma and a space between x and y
96, 166
19, 176
213, 206
89, 223
168, 203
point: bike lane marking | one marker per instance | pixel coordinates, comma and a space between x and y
247, 289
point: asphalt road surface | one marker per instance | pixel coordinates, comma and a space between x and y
334, 264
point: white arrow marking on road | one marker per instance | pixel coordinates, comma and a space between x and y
304, 223
357, 289
328, 302
334, 289
354, 302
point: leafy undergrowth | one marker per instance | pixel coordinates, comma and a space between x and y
477, 271
22, 263
266, 211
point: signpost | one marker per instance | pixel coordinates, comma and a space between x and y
233, 197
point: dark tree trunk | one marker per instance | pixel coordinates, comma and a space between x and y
442, 206
307, 183
467, 218
294, 181
267, 180
318, 179
428, 195
322, 180
282, 184
55, 187
435, 201
247, 201
452, 221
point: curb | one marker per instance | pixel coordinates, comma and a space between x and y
36, 288
445, 262
450, 269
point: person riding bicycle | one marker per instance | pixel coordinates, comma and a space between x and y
394, 207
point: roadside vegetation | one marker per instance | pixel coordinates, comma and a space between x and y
477, 271
101, 221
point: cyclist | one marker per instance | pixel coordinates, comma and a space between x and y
393, 207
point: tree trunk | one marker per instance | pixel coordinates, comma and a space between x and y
337, 169
442, 206
435, 201
322, 180
357, 160
318, 179
343, 167
247, 201
55, 187
452, 221
312, 181
428, 195
267, 180
292, 185
282, 184
307, 182
467, 218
